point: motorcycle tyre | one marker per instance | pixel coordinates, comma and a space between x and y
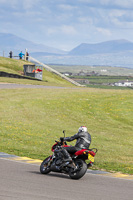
79, 174
45, 170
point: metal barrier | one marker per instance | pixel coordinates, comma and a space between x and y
33, 60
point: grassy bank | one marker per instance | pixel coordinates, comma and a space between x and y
16, 67
30, 121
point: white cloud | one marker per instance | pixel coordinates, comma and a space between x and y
68, 30
66, 7
67, 21
124, 3
121, 4
59, 30
85, 20
11, 4
116, 13
104, 31
25, 4
85, 1
104, 2
2, 1
28, 4
51, 31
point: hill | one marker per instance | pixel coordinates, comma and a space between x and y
114, 46
10, 42
16, 67
116, 53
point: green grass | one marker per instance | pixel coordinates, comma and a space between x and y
31, 119
12, 64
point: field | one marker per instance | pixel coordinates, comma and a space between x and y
31, 119
102, 70
99, 76
103, 81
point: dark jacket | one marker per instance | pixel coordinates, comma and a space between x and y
83, 140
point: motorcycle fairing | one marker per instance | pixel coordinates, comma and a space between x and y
85, 151
80, 152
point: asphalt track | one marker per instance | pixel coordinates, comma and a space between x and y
18, 86
22, 180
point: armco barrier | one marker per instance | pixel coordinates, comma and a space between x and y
33, 60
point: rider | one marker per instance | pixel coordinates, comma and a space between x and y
83, 142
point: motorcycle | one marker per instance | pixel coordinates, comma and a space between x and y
76, 169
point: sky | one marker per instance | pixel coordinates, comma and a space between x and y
65, 24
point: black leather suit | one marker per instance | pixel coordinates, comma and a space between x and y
83, 142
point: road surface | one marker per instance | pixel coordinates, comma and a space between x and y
23, 181
17, 86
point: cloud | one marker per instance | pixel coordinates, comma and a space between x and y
125, 4
104, 31
116, 13
51, 31
67, 7
86, 20
65, 30
109, 4
29, 4
68, 21
2, 1
16, 4
68, 30
110, 18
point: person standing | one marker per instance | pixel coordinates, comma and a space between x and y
27, 55
10, 54
21, 55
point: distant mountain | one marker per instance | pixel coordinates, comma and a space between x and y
114, 46
41, 54
111, 53
10, 42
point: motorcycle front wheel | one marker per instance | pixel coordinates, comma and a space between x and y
44, 167
81, 168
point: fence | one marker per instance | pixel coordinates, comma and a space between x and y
2, 53
33, 60
11, 55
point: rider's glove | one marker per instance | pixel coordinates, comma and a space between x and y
61, 139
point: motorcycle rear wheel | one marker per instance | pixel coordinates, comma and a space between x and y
44, 167
80, 171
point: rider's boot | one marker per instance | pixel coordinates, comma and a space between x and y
67, 157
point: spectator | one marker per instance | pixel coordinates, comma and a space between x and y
10, 54
21, 55
27, 54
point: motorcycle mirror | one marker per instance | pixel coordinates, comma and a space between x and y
64, 132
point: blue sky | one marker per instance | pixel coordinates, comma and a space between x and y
65, 24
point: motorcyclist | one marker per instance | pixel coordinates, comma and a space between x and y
83, 142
